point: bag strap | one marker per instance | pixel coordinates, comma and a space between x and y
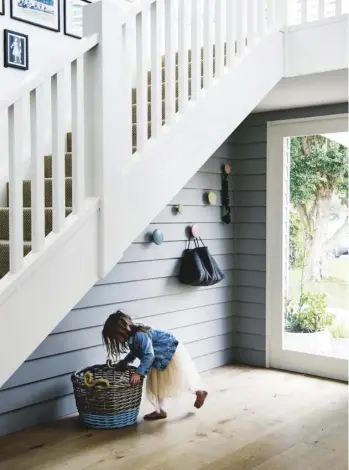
203, 244
196, 242
189, 241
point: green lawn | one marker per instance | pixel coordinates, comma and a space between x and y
336, 284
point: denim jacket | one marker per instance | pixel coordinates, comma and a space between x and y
155, 349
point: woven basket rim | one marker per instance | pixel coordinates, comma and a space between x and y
94, 366
78, 376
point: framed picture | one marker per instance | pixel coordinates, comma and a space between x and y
16, 50
2, 7
73, 17
43, 13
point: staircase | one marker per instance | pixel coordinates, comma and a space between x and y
48, 171
131, 148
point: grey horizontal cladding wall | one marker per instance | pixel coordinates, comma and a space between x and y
248, 152
145, 284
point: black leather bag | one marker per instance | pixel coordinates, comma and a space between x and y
214, 271
198, 267
193, 271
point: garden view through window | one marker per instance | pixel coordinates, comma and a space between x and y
316, 314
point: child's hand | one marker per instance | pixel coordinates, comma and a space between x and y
135, 379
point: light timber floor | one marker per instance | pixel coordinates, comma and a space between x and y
254, 419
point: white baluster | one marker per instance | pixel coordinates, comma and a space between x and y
58, 151
156, 75
37, 170
208, 43
170, 62
15, 194
195, 50
270, 14
304, 15
142, 77
321, 14
240, 27
251, 30
261, 18
183, 47
338, 7
219, 33
78, 134
231, 32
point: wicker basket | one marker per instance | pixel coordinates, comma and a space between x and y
105, 398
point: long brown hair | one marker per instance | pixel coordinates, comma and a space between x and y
119, 325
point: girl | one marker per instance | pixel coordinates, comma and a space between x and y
165, 361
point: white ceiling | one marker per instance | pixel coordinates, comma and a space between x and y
308, 90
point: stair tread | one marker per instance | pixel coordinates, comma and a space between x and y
49, 179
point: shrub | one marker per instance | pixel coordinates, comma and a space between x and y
307, 314
339, 329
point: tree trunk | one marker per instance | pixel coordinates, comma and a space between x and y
314, 271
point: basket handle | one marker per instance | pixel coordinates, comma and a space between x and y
90, 382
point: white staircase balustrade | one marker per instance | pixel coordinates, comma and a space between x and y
156, 87
301, 12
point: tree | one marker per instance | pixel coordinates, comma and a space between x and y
318, 169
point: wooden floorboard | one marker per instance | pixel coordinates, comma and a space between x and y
254, 419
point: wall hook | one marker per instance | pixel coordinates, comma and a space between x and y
158, 237
227, 169
212, 198
195, 231
179, 209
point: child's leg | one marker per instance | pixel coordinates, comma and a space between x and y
162, 405
195, 383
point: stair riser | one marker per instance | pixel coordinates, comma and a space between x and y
163, 111
163, 91
163, 73
163, 70
68, 166
27, 223
163, 59
48, 193
69, 142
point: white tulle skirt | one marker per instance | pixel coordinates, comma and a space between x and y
179, 376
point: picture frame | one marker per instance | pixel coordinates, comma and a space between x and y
73, 18
16, 50
2, 7
42, 13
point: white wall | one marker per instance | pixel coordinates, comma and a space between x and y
43, 45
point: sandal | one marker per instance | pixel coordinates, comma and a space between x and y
200, 398
154, 416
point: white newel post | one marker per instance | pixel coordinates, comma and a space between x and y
107, 137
